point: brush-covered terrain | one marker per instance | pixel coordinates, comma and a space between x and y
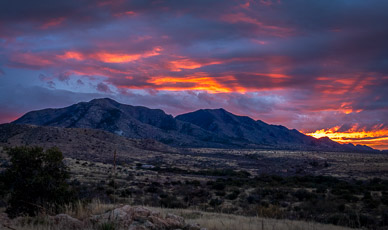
343, 189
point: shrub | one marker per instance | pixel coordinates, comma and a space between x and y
215, 202
233, 195
107, 226
171, 202
303, 194
253, 198
220, 193
36, 180
218, 185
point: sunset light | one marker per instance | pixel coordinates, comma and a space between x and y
377, 137
199, 82
189, 64
122, 58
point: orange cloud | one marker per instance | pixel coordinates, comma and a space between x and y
108, 57
186, 63
122, 57
273, 75
347, 108
116, 58
377, 137
100, 70
199, 81
343, 85
72, 55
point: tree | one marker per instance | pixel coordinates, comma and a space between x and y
36, 181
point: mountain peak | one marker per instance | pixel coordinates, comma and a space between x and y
222, 110
103, 101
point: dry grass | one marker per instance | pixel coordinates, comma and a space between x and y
208, 220
81, 211
219, 221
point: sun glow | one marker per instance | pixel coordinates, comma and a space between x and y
186, 63
196, 82
122, 58
375, 137
109, 57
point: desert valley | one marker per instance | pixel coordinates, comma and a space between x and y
220, 171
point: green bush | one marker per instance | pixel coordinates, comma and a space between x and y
36, 181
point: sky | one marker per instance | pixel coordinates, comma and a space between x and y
317, 66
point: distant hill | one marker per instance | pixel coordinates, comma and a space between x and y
242, 128
80, 143
245, 129
216, 128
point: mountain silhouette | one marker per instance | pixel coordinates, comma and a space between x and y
201, 128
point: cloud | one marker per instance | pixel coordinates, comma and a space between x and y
64, 77
103, 88
80, 82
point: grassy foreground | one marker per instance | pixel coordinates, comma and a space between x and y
208, 220
219, 221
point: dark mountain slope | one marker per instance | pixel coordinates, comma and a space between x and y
245, 129
125, 120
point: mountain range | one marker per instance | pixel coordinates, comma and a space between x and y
215, 128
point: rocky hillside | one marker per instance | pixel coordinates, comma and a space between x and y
202, 128
81, 143
245, 129
124, 120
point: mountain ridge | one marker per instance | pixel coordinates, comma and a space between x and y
216, 128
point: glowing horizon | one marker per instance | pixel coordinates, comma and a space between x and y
376, 138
